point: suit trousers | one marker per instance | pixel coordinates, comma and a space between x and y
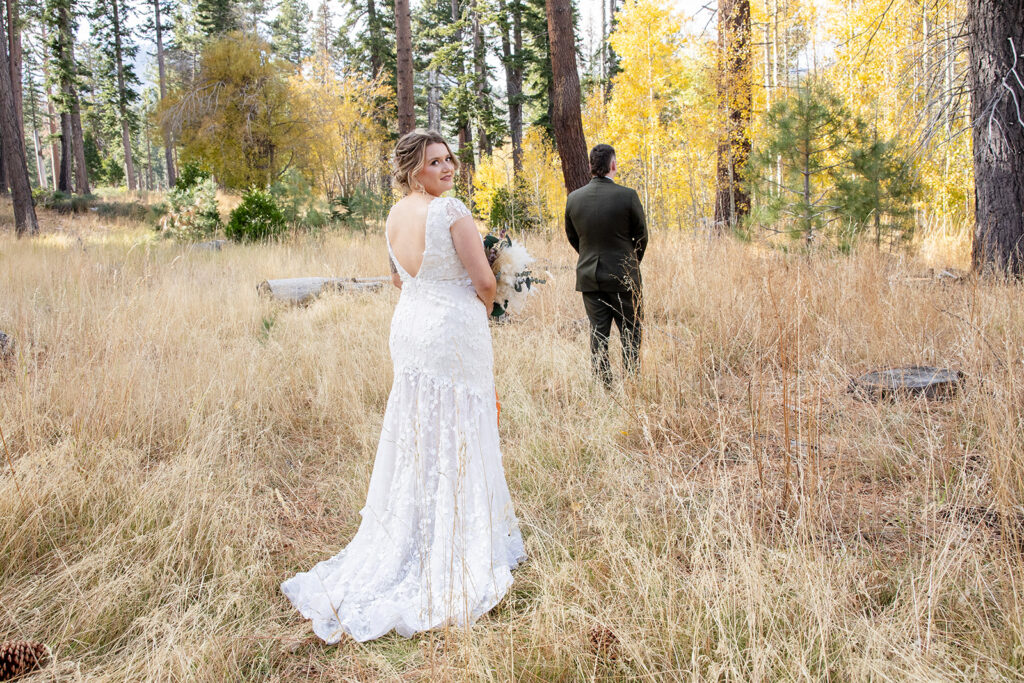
625, 309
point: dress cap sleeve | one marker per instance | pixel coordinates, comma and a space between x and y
454, 209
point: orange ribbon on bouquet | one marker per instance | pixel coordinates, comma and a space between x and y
498, 404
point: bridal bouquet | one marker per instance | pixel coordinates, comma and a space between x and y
511, 265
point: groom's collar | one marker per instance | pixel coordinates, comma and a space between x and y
601, 179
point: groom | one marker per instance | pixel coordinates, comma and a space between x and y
605, 225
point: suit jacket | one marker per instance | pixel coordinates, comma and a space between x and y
605, 225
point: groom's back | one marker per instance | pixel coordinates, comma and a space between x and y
605, 224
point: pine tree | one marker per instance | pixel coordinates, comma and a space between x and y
878, 189
288, 31
323, 33
808, 136
216, 17
251, 16
115, 75
540, 84
510, 20
64, 75
34, 97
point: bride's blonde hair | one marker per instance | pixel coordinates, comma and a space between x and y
410, 156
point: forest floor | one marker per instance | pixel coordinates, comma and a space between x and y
177, 445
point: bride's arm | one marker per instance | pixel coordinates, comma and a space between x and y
471, 252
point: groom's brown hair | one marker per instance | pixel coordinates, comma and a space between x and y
601, 160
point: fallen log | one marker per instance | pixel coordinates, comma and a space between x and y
302, 290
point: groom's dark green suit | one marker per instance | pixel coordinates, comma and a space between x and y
605, 224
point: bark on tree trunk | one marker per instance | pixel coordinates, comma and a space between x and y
126, 140
168, 143
15, 58
513, 76
77, 139
375, 37
567, 122
40, 163
51, 116
78, 143
995, 45
66, 155
465, 132
433, 101
732, 201
480, 82
403, 54
14, 151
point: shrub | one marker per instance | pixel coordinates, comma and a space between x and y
192, 212
62, 202
190, 175
353, 210
513, 210
257, 217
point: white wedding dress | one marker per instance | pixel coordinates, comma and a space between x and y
438, 537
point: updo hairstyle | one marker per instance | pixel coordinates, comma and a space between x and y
410, 156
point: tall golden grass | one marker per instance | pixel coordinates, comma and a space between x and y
177, 446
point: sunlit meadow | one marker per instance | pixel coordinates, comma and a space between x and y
175, 445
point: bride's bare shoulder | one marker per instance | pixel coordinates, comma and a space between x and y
406, 210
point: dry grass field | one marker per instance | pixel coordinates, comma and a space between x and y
175, 446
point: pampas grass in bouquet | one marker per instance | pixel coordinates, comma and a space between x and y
510, 263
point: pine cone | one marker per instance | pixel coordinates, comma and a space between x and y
21, 657
604, 642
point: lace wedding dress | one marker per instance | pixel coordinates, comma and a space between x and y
438, 536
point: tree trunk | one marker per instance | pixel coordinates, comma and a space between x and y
77, 140
995, 45
732, 201
14, 151
126, 140
5, 183
462, 124
433, 101
15, 59
403, 54
567, 122
513, 75
66, 155
78, 145
483, 102
51, 116
168, 143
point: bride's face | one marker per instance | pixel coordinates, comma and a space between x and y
438, 173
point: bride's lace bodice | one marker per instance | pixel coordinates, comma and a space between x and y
440, 326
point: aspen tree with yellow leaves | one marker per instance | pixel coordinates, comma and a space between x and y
732, 198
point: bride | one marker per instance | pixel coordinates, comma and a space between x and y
438, 537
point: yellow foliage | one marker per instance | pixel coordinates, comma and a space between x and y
238, 117
348, 143
659, 118
891, 61
492, 173
540, 181
542, 175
